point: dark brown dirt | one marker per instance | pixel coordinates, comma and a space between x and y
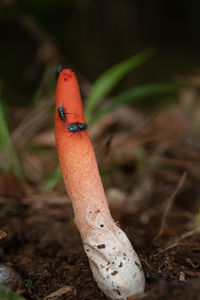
45, 249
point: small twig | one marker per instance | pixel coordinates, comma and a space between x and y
61, 292
104, 149
145, 125
169, 204
176, 243
190, 142
176, 162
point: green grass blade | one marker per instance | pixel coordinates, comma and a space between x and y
10, 161
108, 80
7, 294
135, 94
53, 180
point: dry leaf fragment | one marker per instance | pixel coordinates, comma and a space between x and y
3, 234
55, 295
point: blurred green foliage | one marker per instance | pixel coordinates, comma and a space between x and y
9, 161
137, 93
111, 77
7, 294
108, 80
54, 178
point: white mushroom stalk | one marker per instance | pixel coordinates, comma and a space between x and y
114, 263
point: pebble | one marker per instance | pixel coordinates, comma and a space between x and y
8, 277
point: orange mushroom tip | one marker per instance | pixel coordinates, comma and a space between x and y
114, 263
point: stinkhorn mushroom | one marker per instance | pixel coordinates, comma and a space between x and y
114, 263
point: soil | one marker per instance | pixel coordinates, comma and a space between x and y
159, 215
45, 249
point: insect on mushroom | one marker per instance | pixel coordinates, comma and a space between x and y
114, 263
62, 113
58, 70
76, 127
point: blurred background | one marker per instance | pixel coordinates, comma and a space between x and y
91, 36
138, 66
158, 42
